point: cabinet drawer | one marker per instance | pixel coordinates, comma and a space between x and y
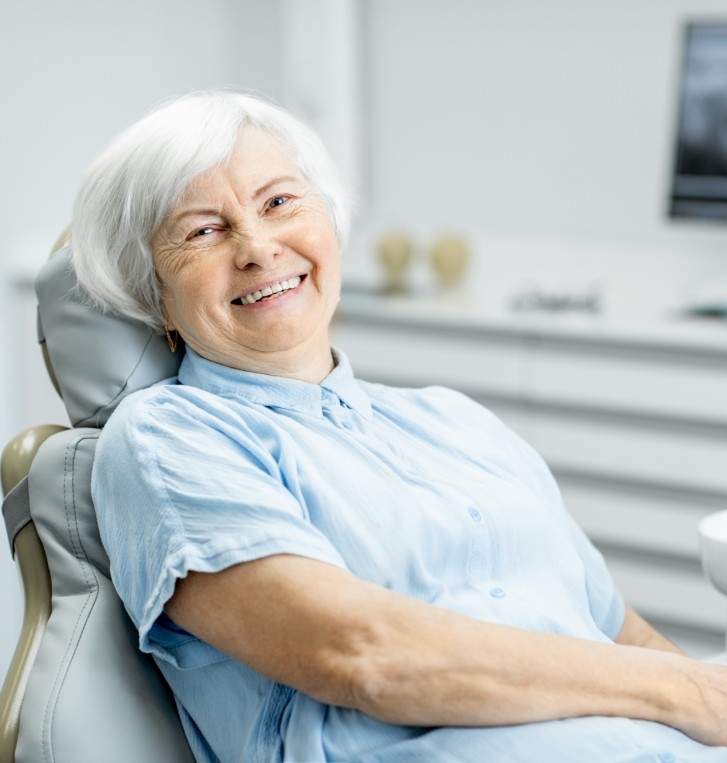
686, 457
655, 383
641, 519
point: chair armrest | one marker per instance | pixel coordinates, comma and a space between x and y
35, 579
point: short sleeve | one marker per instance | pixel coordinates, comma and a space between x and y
181, 485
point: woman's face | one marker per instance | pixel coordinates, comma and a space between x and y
248, 264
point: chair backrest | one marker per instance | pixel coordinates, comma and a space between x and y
79, 690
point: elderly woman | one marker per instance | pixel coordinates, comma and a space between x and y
326, 569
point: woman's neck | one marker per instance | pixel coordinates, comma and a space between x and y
305, 363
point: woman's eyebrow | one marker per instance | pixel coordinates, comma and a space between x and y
265, 188
191, 212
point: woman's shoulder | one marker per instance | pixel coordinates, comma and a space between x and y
167, 409
435, 397
154, 399
446, 411
437, 405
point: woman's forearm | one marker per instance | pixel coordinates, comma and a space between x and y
436, 668
349, 643
497, 675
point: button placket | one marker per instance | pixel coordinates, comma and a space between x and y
479, 544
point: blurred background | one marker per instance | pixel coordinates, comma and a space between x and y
541, 133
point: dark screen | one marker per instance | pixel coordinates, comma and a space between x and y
700, 175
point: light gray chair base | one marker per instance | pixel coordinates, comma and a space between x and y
89, 694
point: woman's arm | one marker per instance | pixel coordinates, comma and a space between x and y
347, 642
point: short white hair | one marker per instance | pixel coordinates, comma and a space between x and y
127, 191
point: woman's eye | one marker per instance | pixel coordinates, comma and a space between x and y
277, 201
202, 232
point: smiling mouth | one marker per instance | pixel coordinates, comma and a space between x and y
269, 292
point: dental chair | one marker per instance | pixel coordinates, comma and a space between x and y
78, 690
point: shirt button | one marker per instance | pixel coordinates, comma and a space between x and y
475, 514
497, 592
667, 757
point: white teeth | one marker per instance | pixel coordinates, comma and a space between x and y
291, 283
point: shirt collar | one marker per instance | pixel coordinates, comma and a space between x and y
276, 391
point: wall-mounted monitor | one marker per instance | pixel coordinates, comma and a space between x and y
699, 183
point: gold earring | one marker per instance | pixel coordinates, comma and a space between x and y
172, 341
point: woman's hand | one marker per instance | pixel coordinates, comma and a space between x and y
346, 642
705, 717
701, 712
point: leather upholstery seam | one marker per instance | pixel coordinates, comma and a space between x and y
89, 599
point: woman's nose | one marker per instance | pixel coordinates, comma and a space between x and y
256, 247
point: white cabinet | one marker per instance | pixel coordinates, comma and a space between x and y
633, 422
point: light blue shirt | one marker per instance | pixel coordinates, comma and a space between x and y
422, 491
